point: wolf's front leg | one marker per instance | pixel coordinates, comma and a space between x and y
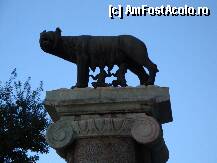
82, 72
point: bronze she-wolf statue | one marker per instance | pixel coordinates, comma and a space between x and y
125, 51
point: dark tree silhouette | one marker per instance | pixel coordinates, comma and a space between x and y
23, 121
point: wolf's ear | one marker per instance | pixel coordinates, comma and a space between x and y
58, 31
43, 32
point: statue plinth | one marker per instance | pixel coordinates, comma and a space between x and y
109, 125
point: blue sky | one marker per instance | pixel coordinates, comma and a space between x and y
184, 48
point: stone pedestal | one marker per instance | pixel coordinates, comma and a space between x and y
109, 125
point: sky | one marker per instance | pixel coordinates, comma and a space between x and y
184, 48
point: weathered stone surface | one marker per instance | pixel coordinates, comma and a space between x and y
104, 150
152, 100
60, 134
114, 125
146, 130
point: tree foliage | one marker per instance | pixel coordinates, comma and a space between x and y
23, 121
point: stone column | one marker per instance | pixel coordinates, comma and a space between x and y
109, 125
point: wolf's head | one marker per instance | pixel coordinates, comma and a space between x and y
48, 40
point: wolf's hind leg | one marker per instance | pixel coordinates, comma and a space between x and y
140, 72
